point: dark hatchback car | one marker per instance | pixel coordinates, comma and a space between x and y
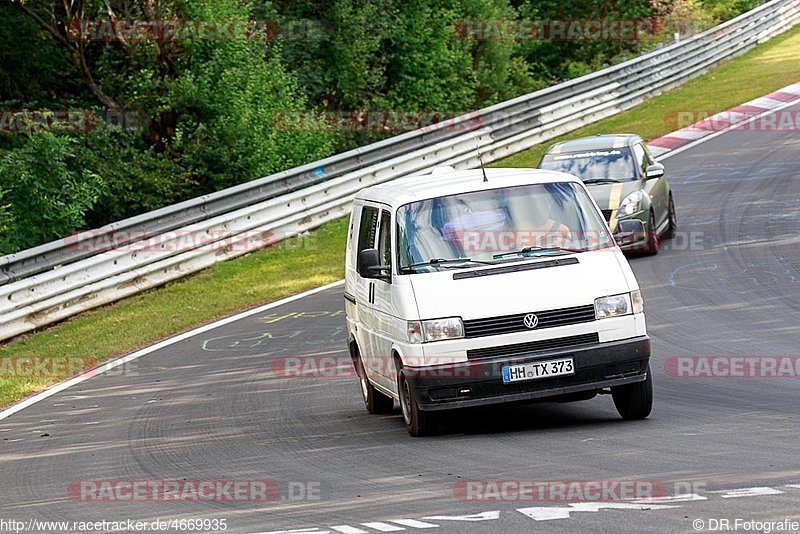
625, 182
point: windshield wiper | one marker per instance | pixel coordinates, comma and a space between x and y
600, 181
534, 249
435, 262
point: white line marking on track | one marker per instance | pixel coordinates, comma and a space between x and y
313, 530
548, 513
49, 392
347, 529
796, 486
747, 492
413, 523
383, 527
688, 497
482, 516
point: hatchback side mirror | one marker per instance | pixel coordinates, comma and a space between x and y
656, 170
369, 265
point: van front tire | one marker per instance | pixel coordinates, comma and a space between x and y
375, 401
418, 422
634, 401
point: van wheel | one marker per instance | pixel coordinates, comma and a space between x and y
634, 401
375, 401
418, 422
653, 240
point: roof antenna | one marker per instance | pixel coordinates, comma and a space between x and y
480, 158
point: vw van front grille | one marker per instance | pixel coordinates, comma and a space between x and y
518, 349
507, 324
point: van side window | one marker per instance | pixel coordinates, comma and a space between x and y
367, 228
384, 238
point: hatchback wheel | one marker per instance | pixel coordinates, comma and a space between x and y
653, 240
673, 220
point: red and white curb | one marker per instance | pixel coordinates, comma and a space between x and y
729, 119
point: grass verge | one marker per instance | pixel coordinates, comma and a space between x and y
287, 268
306, 262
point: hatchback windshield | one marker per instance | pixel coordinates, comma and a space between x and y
615, 164
497, 225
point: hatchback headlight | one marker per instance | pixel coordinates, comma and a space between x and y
435, 330
632, 203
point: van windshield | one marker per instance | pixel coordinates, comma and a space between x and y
507, 224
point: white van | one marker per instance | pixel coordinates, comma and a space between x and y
467, 288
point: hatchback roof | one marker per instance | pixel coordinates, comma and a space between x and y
595, 142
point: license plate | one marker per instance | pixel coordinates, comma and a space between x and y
532, 371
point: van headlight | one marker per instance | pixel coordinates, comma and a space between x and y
613, 306
632, 203
637, 301
435, 330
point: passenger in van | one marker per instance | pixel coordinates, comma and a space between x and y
548, 227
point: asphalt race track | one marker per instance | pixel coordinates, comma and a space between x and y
212, 407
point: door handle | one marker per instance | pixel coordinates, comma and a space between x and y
372, 292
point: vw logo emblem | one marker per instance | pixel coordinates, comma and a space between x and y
531, 320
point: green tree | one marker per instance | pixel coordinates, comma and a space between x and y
46, 191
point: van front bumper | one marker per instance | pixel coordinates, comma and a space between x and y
480, 382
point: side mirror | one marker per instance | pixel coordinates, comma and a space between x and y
369, 265
656, 170
629, 231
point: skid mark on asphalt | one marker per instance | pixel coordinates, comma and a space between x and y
703, 277
275, 317
539, 513
249, 341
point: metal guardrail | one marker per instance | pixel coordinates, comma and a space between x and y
48, 283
